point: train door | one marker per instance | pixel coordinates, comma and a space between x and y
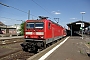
52, 34
61, 32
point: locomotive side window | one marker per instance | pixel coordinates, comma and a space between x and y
30, 25
49, 25
39, 25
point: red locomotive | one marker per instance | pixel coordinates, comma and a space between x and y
39, 33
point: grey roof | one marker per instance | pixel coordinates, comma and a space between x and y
1, 24
76, 27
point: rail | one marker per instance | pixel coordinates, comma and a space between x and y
4, 38
8, 35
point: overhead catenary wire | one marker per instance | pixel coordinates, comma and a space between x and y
27, 12
42, 8
12, 7
16, 8
9, 18
46, 11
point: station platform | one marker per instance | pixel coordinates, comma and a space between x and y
73, 48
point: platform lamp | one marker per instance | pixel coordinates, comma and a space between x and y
82, 25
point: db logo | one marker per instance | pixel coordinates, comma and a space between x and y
34, 33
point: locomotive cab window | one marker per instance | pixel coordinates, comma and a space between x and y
35, 25
39, 25
30, 25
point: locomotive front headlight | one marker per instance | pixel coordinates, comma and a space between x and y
26, 36
28, 33
39, 33
42, 37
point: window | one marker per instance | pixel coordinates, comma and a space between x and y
35, 25
30, 25
39, 25
49, 25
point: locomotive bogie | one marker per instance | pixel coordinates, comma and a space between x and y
33, 45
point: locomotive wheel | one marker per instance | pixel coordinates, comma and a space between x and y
45, 46
24, 49
36, 50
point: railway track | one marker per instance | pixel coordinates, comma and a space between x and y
7, 41
18, 55
14, 52
10, 49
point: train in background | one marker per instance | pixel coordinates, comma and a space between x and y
39, 33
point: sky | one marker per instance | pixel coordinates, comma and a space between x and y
66, 10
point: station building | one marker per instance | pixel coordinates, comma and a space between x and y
9, 29
78, 26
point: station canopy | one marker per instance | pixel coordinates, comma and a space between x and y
75, 26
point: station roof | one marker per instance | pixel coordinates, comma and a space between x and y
76, 25
2, 25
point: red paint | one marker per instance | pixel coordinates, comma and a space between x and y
50, 30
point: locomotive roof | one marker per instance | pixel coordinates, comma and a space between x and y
35, 20
76, 26
55, 23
